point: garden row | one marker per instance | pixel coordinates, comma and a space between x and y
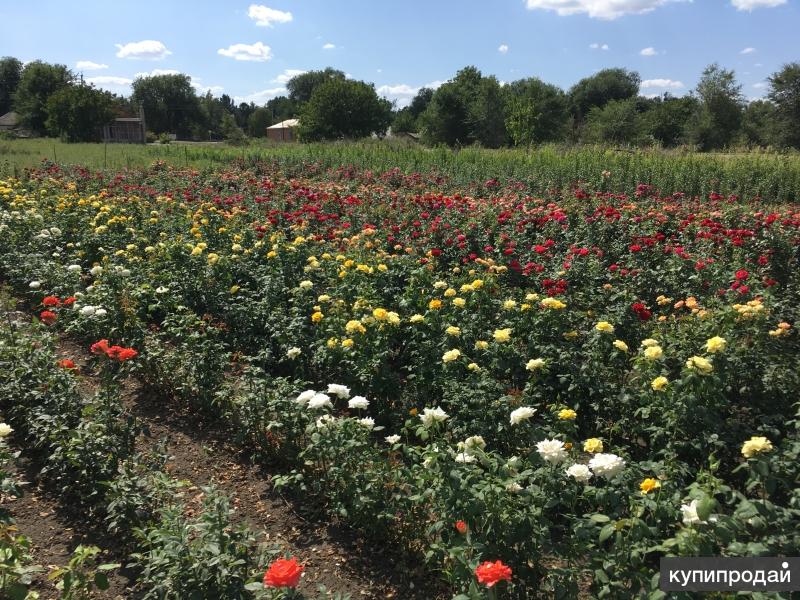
573, 385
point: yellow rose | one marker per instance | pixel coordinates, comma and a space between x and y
535, 364
593, 445
354, 327
649, 484
653, 353
567, 414
509, 305
473, 367
715, 344
347, 343
756, 445
481, 345
451, 355
381, 314
459, 302
620, 345
317, 317
502, 335
699, 364
604, 327
435, 304
449, 293
553, 304
659, 383
416, 319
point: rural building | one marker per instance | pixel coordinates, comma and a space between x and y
285, 131
125, 130
11, 122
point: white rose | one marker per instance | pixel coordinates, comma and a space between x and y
320, 400
294, 352
304, 397
35, 285
162, 290
367, 422
580, 473
96, 270
342, 391
358, 402
5, 429
306, 285
523, 413
430, 416
465, 457
606, 465
74, 268
552, 451
100, 312
392, 439
88, 311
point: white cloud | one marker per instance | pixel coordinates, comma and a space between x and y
203, 89
649, 51
265, 17
156, 72
403, 93
284, 77
261, 97
257, 52
146, 50
661, 83
503, 49
747, 51
598, 46
111, 83
329, 46
602, 9
760, 85
87, 65
753, 4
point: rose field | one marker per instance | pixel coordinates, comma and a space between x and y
496, 386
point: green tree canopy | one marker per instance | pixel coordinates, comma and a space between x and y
761, 125
617, 122
785, 95
301, 87
716, 124
77, 113
10, 75
665, 121
343, 108
39, 81
447, 118
170, 104
535, 111
601, 88
258, 121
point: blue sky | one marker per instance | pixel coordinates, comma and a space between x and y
249, 50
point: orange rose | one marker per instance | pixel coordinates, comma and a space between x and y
283, 573
492, 572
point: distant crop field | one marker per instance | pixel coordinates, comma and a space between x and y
770, 176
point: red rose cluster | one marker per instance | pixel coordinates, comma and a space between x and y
117, 353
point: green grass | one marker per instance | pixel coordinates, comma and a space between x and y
775, 177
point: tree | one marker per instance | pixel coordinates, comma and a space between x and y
760, 124
404, 121
601, 88
301, 87
535, 111
666, 119
717, 123
343, 108
39, 81
420, 102
170, 104
617, 122
486, 114
10, 75
230, 130
447, 118
281, 108
77, 113
785, 95
243, 112
258, 121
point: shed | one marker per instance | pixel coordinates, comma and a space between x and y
125, 130
283, 131
9, 121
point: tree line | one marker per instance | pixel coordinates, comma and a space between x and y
471, 108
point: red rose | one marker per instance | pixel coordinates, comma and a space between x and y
461, 527
126, 354
100, 347
47, 317
51, 301
741, 274
66, 363
283, 573
492, 572
69, 301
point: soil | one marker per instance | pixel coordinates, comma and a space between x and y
333, 555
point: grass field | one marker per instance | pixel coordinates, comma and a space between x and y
775, 177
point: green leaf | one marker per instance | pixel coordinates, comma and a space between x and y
599, 518
606, 532
101, 581
704, 507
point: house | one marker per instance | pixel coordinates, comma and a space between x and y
125, 130
9, 121
285, 131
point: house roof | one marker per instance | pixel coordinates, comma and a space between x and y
10, 119
128, 119
285, 124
